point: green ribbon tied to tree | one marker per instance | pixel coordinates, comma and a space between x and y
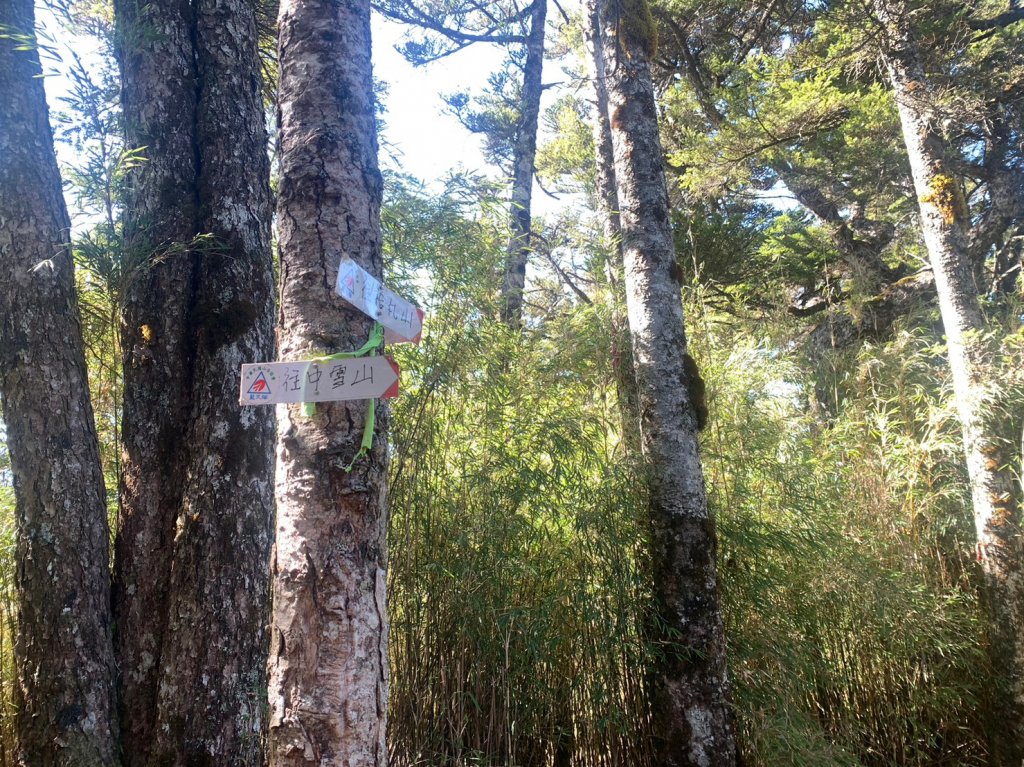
370, 348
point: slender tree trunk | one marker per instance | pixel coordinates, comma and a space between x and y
63, 650
690, 701
191, 580
328, 659
944, 222
524, 155
608, 208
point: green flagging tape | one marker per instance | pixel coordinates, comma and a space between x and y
376, 339
371, 425
309, 408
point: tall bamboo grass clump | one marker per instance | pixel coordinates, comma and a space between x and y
855, 633
518, 573
516, 588
518, 578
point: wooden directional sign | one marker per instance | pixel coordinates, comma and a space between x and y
402, 321
268, 383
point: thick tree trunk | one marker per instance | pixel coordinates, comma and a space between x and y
211, 704
63, 650
192, 591
874, 319
328, 659
158, 95
690, 700
944, 222
524, 156
608, 209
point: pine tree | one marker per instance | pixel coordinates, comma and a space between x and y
63, 651
329, 650
690, 698
509, 121
945, 225
608, 207
191, 590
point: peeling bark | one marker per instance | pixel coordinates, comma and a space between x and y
328, 661
192, 592
945, 222
690, 699
524, 155
63, 649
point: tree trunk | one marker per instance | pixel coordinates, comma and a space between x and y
328, 659
63, 649
524, 155
944, 222
690, 701
158, 96
191, 591
211, 703
1008, 262
608, 208
862, 254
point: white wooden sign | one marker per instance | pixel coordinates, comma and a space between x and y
269, 383
402, 320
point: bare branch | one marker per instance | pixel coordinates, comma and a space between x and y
408, 12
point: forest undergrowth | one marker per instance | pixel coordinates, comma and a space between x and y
517, 583
517, 590
520, 599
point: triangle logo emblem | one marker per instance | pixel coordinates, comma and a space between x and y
259, 385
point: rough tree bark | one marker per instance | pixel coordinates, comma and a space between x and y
944, 222
211, 687
159, 106
690, 700
1009, 260
63, 648
191, 590
328, 659
524, 155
